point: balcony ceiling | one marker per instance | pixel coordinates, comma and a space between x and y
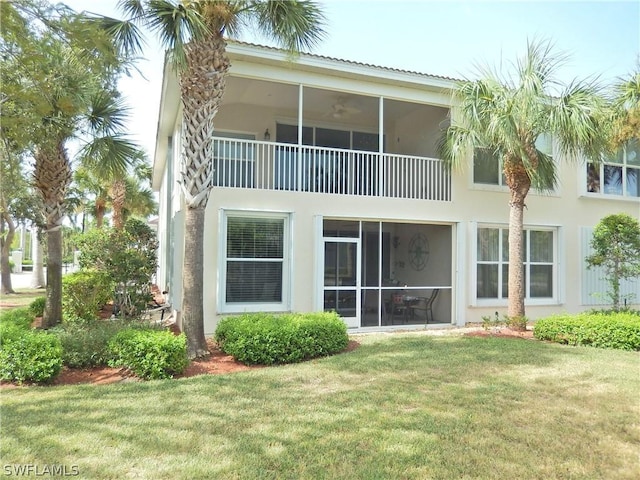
317, 102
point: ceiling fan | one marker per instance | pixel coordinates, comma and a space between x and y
342, 108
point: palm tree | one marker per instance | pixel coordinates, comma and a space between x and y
627, 112
62, 75
506, 114
194, 34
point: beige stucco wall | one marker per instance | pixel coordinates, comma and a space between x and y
568, 209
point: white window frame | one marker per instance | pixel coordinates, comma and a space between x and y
624, 166
501, 186
285, 304
529, 301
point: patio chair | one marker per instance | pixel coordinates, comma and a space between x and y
426, 305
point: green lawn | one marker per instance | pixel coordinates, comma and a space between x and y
22, 298
399, 407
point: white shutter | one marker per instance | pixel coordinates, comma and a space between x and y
594, 282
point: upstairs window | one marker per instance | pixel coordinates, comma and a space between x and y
487, 164
618, 175
487, 167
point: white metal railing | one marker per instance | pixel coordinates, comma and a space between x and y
283, 166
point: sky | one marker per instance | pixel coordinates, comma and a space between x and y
448, 38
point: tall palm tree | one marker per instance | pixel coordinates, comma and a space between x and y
507, 113
63, 66
627, 112
194, 34
110, 165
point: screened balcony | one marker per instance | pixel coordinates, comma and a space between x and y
266, 165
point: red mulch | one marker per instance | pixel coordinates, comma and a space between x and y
216, 363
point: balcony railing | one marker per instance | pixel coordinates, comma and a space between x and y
283, 166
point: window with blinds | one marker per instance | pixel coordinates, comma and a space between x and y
492, 263
255, 260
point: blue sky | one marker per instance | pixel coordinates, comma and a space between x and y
438, 37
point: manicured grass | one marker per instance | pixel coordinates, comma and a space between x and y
22, 298
400, 406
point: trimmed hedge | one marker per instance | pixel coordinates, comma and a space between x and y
620, 330
267, 339
33, 356
150, 354
14, 323
37, 306
83, 295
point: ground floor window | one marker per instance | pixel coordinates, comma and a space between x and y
255, 255
492, 265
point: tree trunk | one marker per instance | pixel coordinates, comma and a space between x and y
53, 307
37, 276
519, 184
100, 209
5, 251
202, 85
192, 299
118, 196
516, 267
52, 176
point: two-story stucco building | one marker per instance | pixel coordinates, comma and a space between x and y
328, 194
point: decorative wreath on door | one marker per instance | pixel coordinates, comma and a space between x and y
418, 252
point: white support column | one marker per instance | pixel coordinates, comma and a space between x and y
381, 180
299, 156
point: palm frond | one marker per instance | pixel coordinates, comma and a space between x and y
456, 145
108, 113
175, 25
109, 156
578, 118
296, 25
125, 35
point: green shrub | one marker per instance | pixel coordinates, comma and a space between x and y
84, 293
87, 344
269, 339
20, 317
34, 356
129, 257
619, 330
150, 354
14, 323
37, 306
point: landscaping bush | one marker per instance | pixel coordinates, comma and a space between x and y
20, 317
269, 339
84, 293
37, 306
33, 356
150, 354
14, 323
87, 345
129, 257
619, 330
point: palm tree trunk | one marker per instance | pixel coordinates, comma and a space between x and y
193, 270
100, 209
53, 306
519, 184
516, 267
5, 251
52, 176
201, 87
118, 196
